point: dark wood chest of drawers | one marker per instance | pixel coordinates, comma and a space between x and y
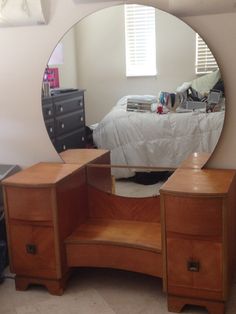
64, 116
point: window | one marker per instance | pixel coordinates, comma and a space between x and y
140, 35
205, 61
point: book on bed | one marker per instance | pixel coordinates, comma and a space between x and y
141, 104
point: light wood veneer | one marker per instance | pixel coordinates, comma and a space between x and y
63, 215
41, 211
198, 220
120, 244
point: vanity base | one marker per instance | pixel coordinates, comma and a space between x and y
176, 304
54, 286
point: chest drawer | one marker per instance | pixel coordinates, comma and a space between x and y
193, 215
29, 204
69, 122
72, 140
66, 104
47, 108
50, 128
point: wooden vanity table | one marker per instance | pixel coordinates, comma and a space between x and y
63, 215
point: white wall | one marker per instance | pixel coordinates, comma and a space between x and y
25, 51
68, 70
101, 59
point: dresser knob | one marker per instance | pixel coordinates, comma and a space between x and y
49, 112
81, 104
64, 147
193, 266
31, 249
81, 119
62, 125
51, 130
61, 109
82, 139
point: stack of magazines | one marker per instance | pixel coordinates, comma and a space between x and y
141, 104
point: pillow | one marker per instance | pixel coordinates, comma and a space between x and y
206, 82
182, 88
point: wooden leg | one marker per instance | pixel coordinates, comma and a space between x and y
54, 286
176, 304
216, 308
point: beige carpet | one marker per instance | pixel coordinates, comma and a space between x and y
96, 291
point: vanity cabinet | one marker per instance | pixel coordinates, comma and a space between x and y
35, 201
64, 116
63, 215
198, 212
44, 204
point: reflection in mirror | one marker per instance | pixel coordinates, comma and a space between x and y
145, 183
151, 103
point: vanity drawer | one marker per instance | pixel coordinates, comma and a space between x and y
29, 204
69, 122
193, 215
69, 103
72, 140
32, 251
194, 267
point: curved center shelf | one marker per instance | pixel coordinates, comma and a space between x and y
123, 244
138, 234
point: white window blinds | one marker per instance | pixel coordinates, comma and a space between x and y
205, 61
140, 35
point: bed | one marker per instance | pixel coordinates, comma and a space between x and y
159, 140
155, 140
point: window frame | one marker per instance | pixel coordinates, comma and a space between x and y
140, 62
210, 64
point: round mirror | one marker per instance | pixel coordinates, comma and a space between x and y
139, 82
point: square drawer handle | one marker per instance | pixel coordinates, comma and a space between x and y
31, 249
193, 266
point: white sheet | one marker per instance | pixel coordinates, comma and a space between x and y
150, 139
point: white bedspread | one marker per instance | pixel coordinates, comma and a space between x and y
150, 139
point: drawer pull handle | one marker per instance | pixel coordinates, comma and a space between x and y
62, 125
49, 112
31, 249
61, 109
81, 104
82, 139
193, 266
51, 130
64, 147
81, 119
